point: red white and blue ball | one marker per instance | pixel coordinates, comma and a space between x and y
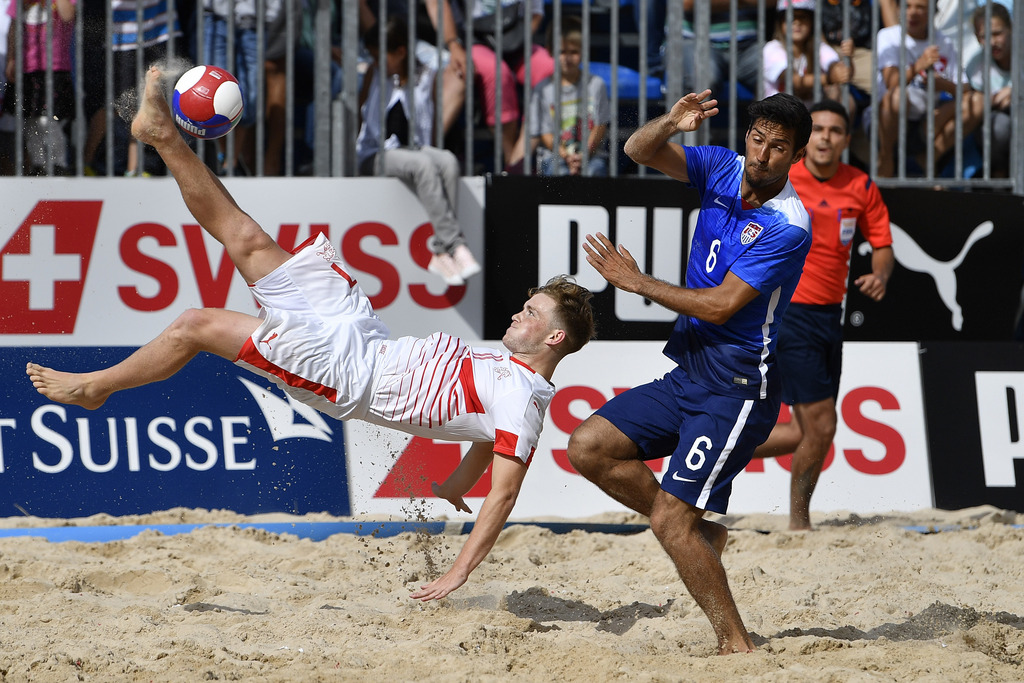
207, 102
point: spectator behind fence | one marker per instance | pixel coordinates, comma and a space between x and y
656, 15
511, 72
45, 135
559, 146
247, 70
950, 15
157, 30
431, 173
1000, 36
834, 72
860, 33
748, 50
6, 120
941, 59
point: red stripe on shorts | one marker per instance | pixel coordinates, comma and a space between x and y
250, 355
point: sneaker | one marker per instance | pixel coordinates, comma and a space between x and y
465, 264
444, 267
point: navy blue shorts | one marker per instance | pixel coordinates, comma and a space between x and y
709, 438
810, 353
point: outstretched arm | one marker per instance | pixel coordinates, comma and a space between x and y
649, 144
507, 475
466, 475
714, 304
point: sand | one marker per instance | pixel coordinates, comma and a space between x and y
855, 600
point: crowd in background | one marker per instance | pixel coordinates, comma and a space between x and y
925, 97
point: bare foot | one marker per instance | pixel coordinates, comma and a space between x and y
65, 387
154, 124
455, 500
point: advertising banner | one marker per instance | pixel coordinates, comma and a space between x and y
879, 460
91, 270
113, 262
974, 398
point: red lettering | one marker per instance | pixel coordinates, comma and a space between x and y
563, 418
352, 254
212, 290
420, 254
895, 447
134, 259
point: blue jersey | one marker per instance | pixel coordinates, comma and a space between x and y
765, 247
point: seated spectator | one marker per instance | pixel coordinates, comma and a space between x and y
832, 12
941, 60
748, 61
1000, 85
518, 16
431, 173
832, 71
559, 146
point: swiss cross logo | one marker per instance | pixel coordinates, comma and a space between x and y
43, 266
750, 233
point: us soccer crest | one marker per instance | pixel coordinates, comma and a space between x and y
750, 233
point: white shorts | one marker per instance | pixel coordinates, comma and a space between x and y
319, 335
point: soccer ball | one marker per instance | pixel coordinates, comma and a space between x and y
207, 102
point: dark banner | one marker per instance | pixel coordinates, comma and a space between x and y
536, 226
974, 410
960, 255
213, 436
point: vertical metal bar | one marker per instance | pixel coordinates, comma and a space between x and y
929, 148
873, 128
140, 72
986, 73
901, 138
499, 66
108, 72
49, 24
323, 27
613, 134
78, 125
585, 95
289, 95
1017, 105
381, 75
261, 86
349, 115
470, 94
410, 63
524, 131
439, 78
19, 88
556, 78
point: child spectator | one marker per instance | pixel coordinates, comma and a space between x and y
46, 25
777, 60
559, 146
921, 57
432, 173
1000, 36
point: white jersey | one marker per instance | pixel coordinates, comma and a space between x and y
321, 342
440, 387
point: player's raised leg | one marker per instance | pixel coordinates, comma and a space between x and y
211, 329
252, 250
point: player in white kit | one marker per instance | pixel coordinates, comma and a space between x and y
318, 338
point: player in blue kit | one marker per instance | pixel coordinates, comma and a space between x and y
721, 401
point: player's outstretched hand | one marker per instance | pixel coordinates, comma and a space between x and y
616, 265
438, 588
691, 110
456, 500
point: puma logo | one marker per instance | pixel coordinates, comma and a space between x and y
268, 340
911, 256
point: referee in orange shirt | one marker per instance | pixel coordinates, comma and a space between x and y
840, 200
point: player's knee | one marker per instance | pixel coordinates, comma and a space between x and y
583, 448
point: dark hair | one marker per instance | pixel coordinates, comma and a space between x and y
784, 110
573, 311
396, 35
835, 108
999, 11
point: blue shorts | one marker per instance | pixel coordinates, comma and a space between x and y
810, 353
709, 437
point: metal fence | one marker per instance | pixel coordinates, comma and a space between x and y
306, 123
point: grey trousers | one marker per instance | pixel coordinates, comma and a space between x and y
433, 174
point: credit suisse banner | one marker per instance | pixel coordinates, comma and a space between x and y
90, 270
